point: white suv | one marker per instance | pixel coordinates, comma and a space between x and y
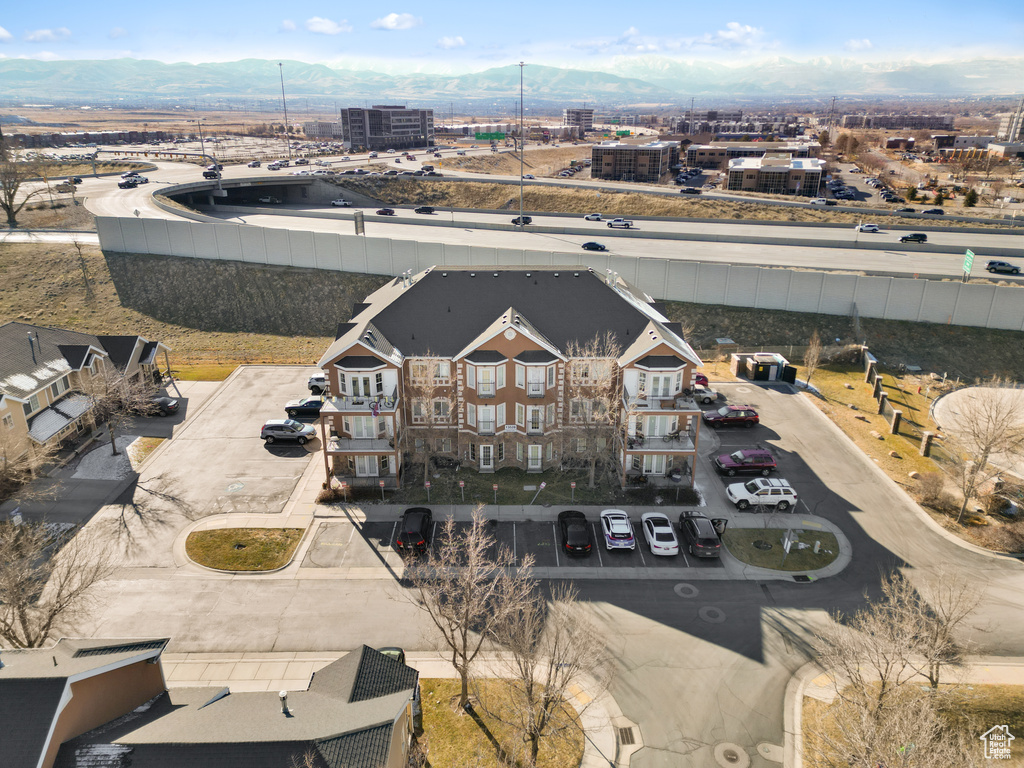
764, 492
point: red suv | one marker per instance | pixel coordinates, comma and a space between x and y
729, 415
757, 461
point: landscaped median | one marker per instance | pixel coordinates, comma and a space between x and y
243, 549
767, 548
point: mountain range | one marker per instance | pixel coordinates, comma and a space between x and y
633, 81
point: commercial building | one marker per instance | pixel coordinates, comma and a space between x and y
488, 367
582, 119
777, 174
318, 129
899, 122
1011, 127
651, 162
717, 155
387, 127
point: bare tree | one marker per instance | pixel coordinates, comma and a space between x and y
988, 425
46, 581
21, 459
593, 392
952, 597
116, 398
15, 173
430, 392
812, 357
552, 646
466, 591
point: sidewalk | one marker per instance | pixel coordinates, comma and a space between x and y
601, 717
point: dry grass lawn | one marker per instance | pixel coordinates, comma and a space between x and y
243, 549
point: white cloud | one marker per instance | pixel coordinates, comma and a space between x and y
327, 27
738, 35
451, 42
631, 32
858, 45
5, 35
48, 35
117, 32
287, 25
397, 21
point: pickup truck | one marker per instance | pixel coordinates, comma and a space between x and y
620, 223
65, 186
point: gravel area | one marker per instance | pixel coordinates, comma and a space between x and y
100, 464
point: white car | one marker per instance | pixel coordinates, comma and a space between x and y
529, 176
391, 151
341, 203
660, 535
867, 227
269, 199
346, 157
704, 395
617, 530
762, 492
593, 217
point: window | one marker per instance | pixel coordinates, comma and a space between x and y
383, 465
535, 382
341, 380
440, 410
519, 451
536, 419
501, 451
641, 381
580, 444
58, 388
581, 372
418, 444
472, 451
679, 382
418, 372
486, 419
550, 420
486, 387
8, 421
551, 376
419, 411
442, 372
379, 383
520, 415
501, 376
548, 451
520, 376
471, 414
500, 418
443, 445
471, 376
32, 405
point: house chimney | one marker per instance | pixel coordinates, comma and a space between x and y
283, 695
32, 347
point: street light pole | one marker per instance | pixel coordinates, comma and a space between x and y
522, 143
284, 103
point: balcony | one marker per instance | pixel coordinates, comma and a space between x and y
342, 444
644, 401
361, 404
485, 427
660, 444
535, 389
485, 390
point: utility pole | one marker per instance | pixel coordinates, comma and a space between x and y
522, 144
284, 103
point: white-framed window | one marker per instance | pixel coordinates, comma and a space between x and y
501, 452
519, 451
550, 416
641, 381
419, 411
344, 386
679, 382
535, 418
551, 376
485, 386
548, 451
520, 376
442, 372
500, 373
500, 415
443, 444
534, 460
654, 464
32, 405
367, 466
363, 426
661, 386
471, 376
379, 383
472, 451
384, 465
486, 419
59, 387
535, 381
441, 409
471, 414
418, 371
580, 444
520, 414
579, 370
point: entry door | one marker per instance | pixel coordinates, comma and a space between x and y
360, 386
363, 426
534, 457
486, 457
366, 466
654, 465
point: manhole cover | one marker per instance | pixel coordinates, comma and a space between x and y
762, 544
685, 590
743, 390
731, 756
235, 487
711, 614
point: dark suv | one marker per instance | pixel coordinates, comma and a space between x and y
414, 530
424, 209
757, 461
699, 535
915, 237
525, 220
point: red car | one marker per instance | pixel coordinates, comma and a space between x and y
730, 415
700, 378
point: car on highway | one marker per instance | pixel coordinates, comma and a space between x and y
746, 461
273, 167
704, 394
592, 246
822, 201
255, 164
423, 209
617, 530
592, 217
391, 151
270, 200
340, 203
904, 210
660, 535
372, 154
699, 535
414, 532
529, 176
620, 223
689, 191
216, 167
129, 174
522, 220
762, 492
1003, 266
935, 212
575, 529
914, 237
287, 429
127, 183
867, 227
732, 415
306, 406
386, 212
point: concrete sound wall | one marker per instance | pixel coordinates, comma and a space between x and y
892, 298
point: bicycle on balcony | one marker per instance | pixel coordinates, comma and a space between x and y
676, 436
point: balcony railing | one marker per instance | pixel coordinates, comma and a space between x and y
650, 402
535, 389
345, 444
485, 390
534, 429
368, 481
361, 403
485, 427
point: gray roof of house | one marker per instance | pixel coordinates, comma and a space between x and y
483, 356
28, 367
360, 362
120, 349
51, 420
659, 361
535, 356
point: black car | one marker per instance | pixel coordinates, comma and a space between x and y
732, 415
699, 536
163, 406
75, 179
576, 539
415, 529
129, 183
211, 174
904, 210
594, 247
915, 237
935, 212
386, 212
307, 406
424, 209
689, 191
524, 220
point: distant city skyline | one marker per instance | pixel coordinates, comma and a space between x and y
463, 37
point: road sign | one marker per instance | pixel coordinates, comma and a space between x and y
572, 484
495, 486
462, 483
427, 483
490, 137
968, 260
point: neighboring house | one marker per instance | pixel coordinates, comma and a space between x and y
104, 704
474, 363
44, 373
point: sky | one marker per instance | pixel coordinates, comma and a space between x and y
460, 36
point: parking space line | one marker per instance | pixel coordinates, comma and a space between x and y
681, 552
597, 546
639, 548
554, 533
391, 539
515, 558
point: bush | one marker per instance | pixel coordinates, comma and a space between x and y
1006, 537
931, 491
970, 199
330, 495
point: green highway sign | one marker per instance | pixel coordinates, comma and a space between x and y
622, 133
968, 260
490, 137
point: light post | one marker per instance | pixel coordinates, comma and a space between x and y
284, 103
522, 144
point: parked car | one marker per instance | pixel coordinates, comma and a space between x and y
393, 652
287, 429
592, 246
700, 378
414, 531
617, 530
699, 535
703, 394
339, 203
254, 164
424, 209
306, 406
915, 237
317, 383
867, 227
749, 460
1003, 266
732, 415
524, 220
763, 492
270, 199
162, 406
576, 539
592, 217
660, 535
386, 212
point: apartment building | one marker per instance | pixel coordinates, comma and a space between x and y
651, 162
899, 122
491, 367
777, 174
45, 374
320, 129
717, 155
1011, 126
581, 119
387, 127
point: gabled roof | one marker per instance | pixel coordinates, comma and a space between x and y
516, 321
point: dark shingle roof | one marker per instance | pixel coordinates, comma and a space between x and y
535, 356
120, 349
27, 708
660, 361
483, 356
28, 367
380, 675
360, 362
365, 749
